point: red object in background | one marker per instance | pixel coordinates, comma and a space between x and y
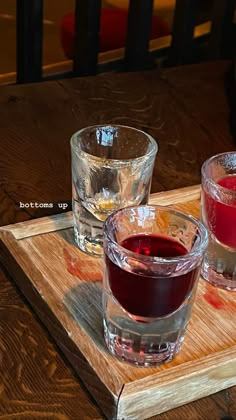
113, 28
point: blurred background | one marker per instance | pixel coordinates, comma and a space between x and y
54, 10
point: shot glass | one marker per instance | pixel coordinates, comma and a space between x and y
152, 260
111, 168
218, 209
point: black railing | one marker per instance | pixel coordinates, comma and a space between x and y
222, 37
136, 52
182, 34
138, 35
29, 22
87, 24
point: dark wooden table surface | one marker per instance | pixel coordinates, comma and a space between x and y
186, 110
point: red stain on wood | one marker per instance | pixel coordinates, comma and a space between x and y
220, 299
212, 297
84, 267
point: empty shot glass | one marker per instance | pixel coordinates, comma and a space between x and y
218, 209
152, 260
111, 168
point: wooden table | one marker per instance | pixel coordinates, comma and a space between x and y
186, 110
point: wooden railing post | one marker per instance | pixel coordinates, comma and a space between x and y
29, 21
182, 44
222, 38
87, 25
138, 35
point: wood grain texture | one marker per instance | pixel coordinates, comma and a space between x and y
51, 270
34, 380
65, 220
38, 120
46, 224
186, 109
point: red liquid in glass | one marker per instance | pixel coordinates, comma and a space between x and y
222, 217
146, 296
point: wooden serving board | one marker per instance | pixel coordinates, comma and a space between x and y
64, 286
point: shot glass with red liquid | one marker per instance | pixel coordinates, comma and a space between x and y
219, 216
152, 259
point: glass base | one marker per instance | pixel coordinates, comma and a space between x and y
88, 230
88, 245
219, 265
141, 349
217, 279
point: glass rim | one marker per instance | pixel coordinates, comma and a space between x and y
210, 180
197, 250
152, 151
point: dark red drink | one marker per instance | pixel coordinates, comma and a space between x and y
145, 295
221, 217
